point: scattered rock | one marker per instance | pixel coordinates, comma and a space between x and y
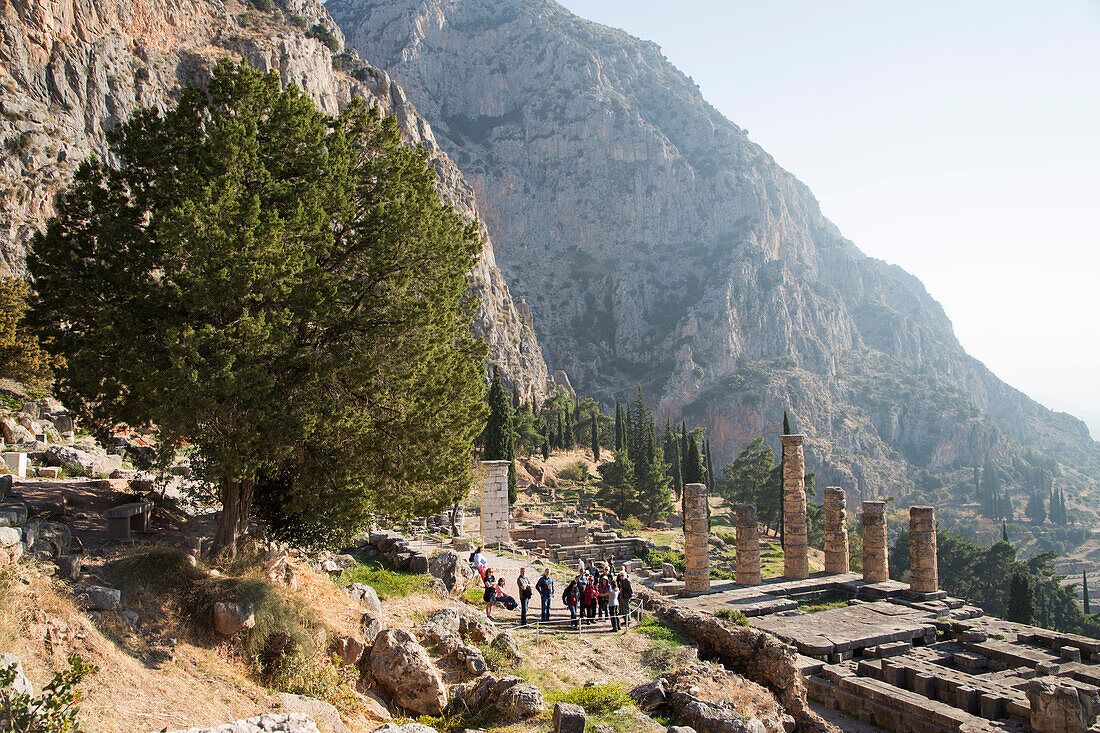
46, 540
69, 567
10, 536
231, 617
448, 618
99, 598
473, 659
349, 650
407, 728
568, 718
520, 701
504, 642
370, 626
401, 666
450, 568
651, 695
272, 723
322, 712
367, 596
476, 627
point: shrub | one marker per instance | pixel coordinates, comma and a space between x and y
21, 355
577, 472
313, 676
633, 525
54, 711
655, 558
734, 617
297, 21
324, 35
596, 698
264, 6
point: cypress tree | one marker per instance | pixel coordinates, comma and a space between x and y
1004, 532
711, 482
683, 453
595, 441
561, 434
786, 424
693, 467
1085, 592
618, 425
500, 438
545, 450
1021, 603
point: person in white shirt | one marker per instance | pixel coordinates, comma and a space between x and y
613, 604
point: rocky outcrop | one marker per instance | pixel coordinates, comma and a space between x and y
756, 654
403, 669
71, 71
656, 244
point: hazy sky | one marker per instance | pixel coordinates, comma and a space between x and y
960, 140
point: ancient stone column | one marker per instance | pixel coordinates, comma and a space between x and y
495, 516
748, 545
836, 531
923, 575
696, 539
876, 568
795, 535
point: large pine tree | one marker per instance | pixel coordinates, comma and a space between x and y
282, 290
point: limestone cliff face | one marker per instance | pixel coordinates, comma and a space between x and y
657, 245
70, 70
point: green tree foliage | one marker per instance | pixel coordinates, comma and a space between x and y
749, 479
1004, 531
616, 486
325, 36
1021, 604
595, 442
500, 434
786, 424
281, 289
54, 711
1027, 591
694, 472
1036, 509
1085, 593
22, 357
618, 426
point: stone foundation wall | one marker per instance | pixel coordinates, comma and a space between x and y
552, 533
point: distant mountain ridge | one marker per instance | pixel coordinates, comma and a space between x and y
657, 245
71, 71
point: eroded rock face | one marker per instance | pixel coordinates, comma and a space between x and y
404, 670
655, 243
71, 71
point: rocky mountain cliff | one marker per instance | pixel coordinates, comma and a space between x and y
72, 70
656, 244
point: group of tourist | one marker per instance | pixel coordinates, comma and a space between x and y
596, 592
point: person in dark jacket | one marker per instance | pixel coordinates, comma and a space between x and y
524, 585
570, 598
545, 587
489, 583
626, 592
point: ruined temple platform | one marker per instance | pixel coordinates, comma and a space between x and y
776, 595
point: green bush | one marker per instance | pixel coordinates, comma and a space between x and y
577, 472
324, 35
632, 525
655, 558
313, 676
595, 698
734, 617
264, 6
54, 711
658, 631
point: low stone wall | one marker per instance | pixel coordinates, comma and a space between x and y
551, 533
756, 654
623, 549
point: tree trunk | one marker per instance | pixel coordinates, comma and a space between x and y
233, 520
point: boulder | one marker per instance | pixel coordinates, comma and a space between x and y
473, 660
520, 701
367, 596
46, 540
504, 643
452, 569
418, 563
11, 536
706, 717
370, 626
437, 634
448, 618
476, 627
568, 718
231, 617
324, 713
651, 695
69, 567
403, 669
14, 432
99, 598
84, 462
349, 650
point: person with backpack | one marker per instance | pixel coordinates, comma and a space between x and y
502, 596
545, 587
524, 595
626, 592
570, 599
613, 603
477, 560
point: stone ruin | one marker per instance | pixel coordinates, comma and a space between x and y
495, 514
696, 539
903, 656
